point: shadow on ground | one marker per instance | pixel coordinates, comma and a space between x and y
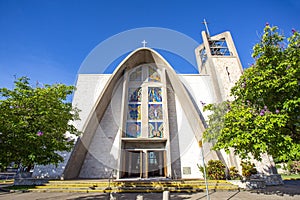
290, 187
290, 190
130, 196
92, 196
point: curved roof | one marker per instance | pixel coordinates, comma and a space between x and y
136, 58
125, 42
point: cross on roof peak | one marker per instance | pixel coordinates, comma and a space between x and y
144, 43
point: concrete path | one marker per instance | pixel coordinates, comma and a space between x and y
290, 190
132, 196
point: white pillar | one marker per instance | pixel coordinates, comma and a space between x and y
166, 195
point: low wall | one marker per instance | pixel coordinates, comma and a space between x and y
261, 181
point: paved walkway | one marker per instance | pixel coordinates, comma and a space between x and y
291, 190
132, 196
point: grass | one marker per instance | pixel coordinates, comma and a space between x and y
20, 187
290, 177
7, 181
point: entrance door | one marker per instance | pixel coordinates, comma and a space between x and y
133, 164
144, 164
156, 164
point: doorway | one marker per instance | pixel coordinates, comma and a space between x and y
156, 164
144, 164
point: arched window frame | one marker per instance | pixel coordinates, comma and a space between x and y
143, 125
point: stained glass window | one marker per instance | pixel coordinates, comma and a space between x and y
133, 129
143, 111
155, 129
154, 75
135, 94
134, 112
136, 75
155, 112
154, 94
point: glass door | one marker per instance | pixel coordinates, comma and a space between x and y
144, 164
133, 164
156, 164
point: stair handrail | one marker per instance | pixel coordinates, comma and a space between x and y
110, 177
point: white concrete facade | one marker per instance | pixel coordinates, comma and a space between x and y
105, 148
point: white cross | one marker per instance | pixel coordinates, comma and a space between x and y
205, 23
144, 43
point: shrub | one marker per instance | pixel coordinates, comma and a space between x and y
289, 166
216, 170
278, 166
294, 167
248, 169
234, 174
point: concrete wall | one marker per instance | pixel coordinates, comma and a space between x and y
174, 161
104, 150
228, 73
200, 89
88, 89
201, 92
188, 145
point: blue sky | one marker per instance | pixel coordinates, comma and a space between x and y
47, 40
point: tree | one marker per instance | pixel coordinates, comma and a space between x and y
216, 120
265, 115
34, 123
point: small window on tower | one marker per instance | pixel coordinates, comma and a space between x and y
219, 47
203, 56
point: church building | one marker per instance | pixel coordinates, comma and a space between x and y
145, 121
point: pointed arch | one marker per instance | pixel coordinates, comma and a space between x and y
136, 58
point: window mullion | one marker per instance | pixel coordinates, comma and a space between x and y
144, 104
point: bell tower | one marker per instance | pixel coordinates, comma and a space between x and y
218, 58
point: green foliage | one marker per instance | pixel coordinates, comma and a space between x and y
215, 170
248, 169
265, 115
278, 166
22, 188
289, 166
34, 123
234, 174
216, 120
290, 176
201, 169
293, 167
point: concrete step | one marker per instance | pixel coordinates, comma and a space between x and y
133, 186
75, 185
